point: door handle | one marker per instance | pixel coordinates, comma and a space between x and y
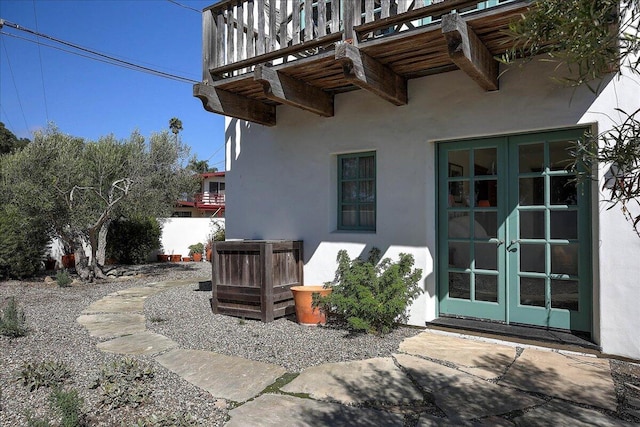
498, 242
513, 242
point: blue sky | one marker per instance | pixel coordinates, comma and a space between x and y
90, 99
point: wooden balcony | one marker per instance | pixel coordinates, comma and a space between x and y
208, 200
258, 54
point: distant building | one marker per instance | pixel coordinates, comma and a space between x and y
209, 202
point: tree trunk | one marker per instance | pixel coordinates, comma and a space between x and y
82, 262
102, 242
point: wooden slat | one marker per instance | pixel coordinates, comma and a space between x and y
220, 45
251, 39
261, 42
272, 26
240, 32
368, 11
385, 5
209, 37
230, 33
335, 16
308, 20
469, 53
367, 73
295, 23
283, 23
348, 10
266, 301
322, 18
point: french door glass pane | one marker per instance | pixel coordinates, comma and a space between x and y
486, 288
563, 190
487, 193
531, 157
459, 225
565, 294
531, 191
459, 286
486, 256
532, 258
459, 194
485, 161
458, 163
564, 259
459, 254
564, 224
532, 291
486, 222
559, 155
532, 225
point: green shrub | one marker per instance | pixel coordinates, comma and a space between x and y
63, 279
197, 248
123, 383
68, 405
372, 296
13, 322
23, 243
130, 241
44, 374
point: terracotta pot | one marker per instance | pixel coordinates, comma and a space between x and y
209, 255
186, 259
69, 261
197, 257
305, 312
176, 258
163, 258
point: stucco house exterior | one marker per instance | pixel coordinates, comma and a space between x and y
209, 202
392, 126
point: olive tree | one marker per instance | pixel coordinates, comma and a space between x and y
594, 40
78, 187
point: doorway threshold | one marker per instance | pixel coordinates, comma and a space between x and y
529, 335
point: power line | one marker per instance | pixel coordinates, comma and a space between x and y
109, 59
44, 92
184, 5
14, 83
7, 116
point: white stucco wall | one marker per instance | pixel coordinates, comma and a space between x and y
283, 178
180, 233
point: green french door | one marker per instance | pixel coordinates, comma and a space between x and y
514, 231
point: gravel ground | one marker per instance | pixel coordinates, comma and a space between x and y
182, 314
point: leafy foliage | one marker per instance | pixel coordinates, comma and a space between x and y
23, 243
44, 374
68, 404
371, 295
132, 240
63, 278
122, 383
10, 143
13, 322
196, 248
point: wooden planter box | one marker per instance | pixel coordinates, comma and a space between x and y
252, 278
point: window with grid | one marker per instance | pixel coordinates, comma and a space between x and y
357, 191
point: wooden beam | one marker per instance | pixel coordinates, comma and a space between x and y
229, 104
367, 73
287, 90
469, 53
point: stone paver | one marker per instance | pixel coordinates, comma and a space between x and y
111, 325
231, 378
357, 382
486, 360
580, 379
271, 410
557, 413
145, 291
140, 343
116, 304
460, 395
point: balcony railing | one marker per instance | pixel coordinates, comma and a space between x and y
239, 34
213, 200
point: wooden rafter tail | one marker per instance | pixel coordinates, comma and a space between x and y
369, 74
468, 52
229, 104
287, 90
